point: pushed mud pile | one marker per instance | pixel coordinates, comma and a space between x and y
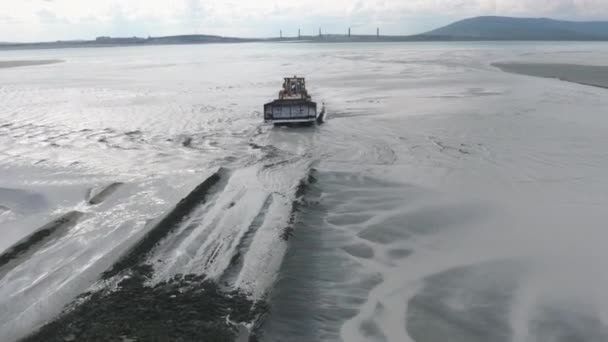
128, 308
185, 308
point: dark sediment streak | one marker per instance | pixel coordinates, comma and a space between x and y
28, 245
4, 209
137, 254
187, 142
15, 64
105, 193
301, 189
589, 75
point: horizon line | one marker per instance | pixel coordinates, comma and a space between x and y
297, 36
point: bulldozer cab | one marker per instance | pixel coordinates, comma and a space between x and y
294, 88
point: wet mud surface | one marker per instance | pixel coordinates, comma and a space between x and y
434, 168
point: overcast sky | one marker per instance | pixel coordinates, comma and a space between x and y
42, 20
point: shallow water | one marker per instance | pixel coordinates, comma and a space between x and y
448, 200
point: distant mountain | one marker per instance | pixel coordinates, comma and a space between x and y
506, 28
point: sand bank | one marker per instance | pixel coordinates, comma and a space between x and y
14, 64
596, 76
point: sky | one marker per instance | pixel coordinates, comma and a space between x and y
49, 20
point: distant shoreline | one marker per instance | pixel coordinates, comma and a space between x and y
477, 29
16, 64
204, 39
588, 75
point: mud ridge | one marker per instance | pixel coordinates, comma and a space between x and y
301, 190
171, 221
299, 204
4, 210
105, 193
31, 243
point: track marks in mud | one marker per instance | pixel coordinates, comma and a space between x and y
443, 147
461, 149
137, 254
236, 263
30, 244
469, 93
207, 241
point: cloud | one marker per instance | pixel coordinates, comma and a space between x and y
47, 17
7, 20
69, 19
